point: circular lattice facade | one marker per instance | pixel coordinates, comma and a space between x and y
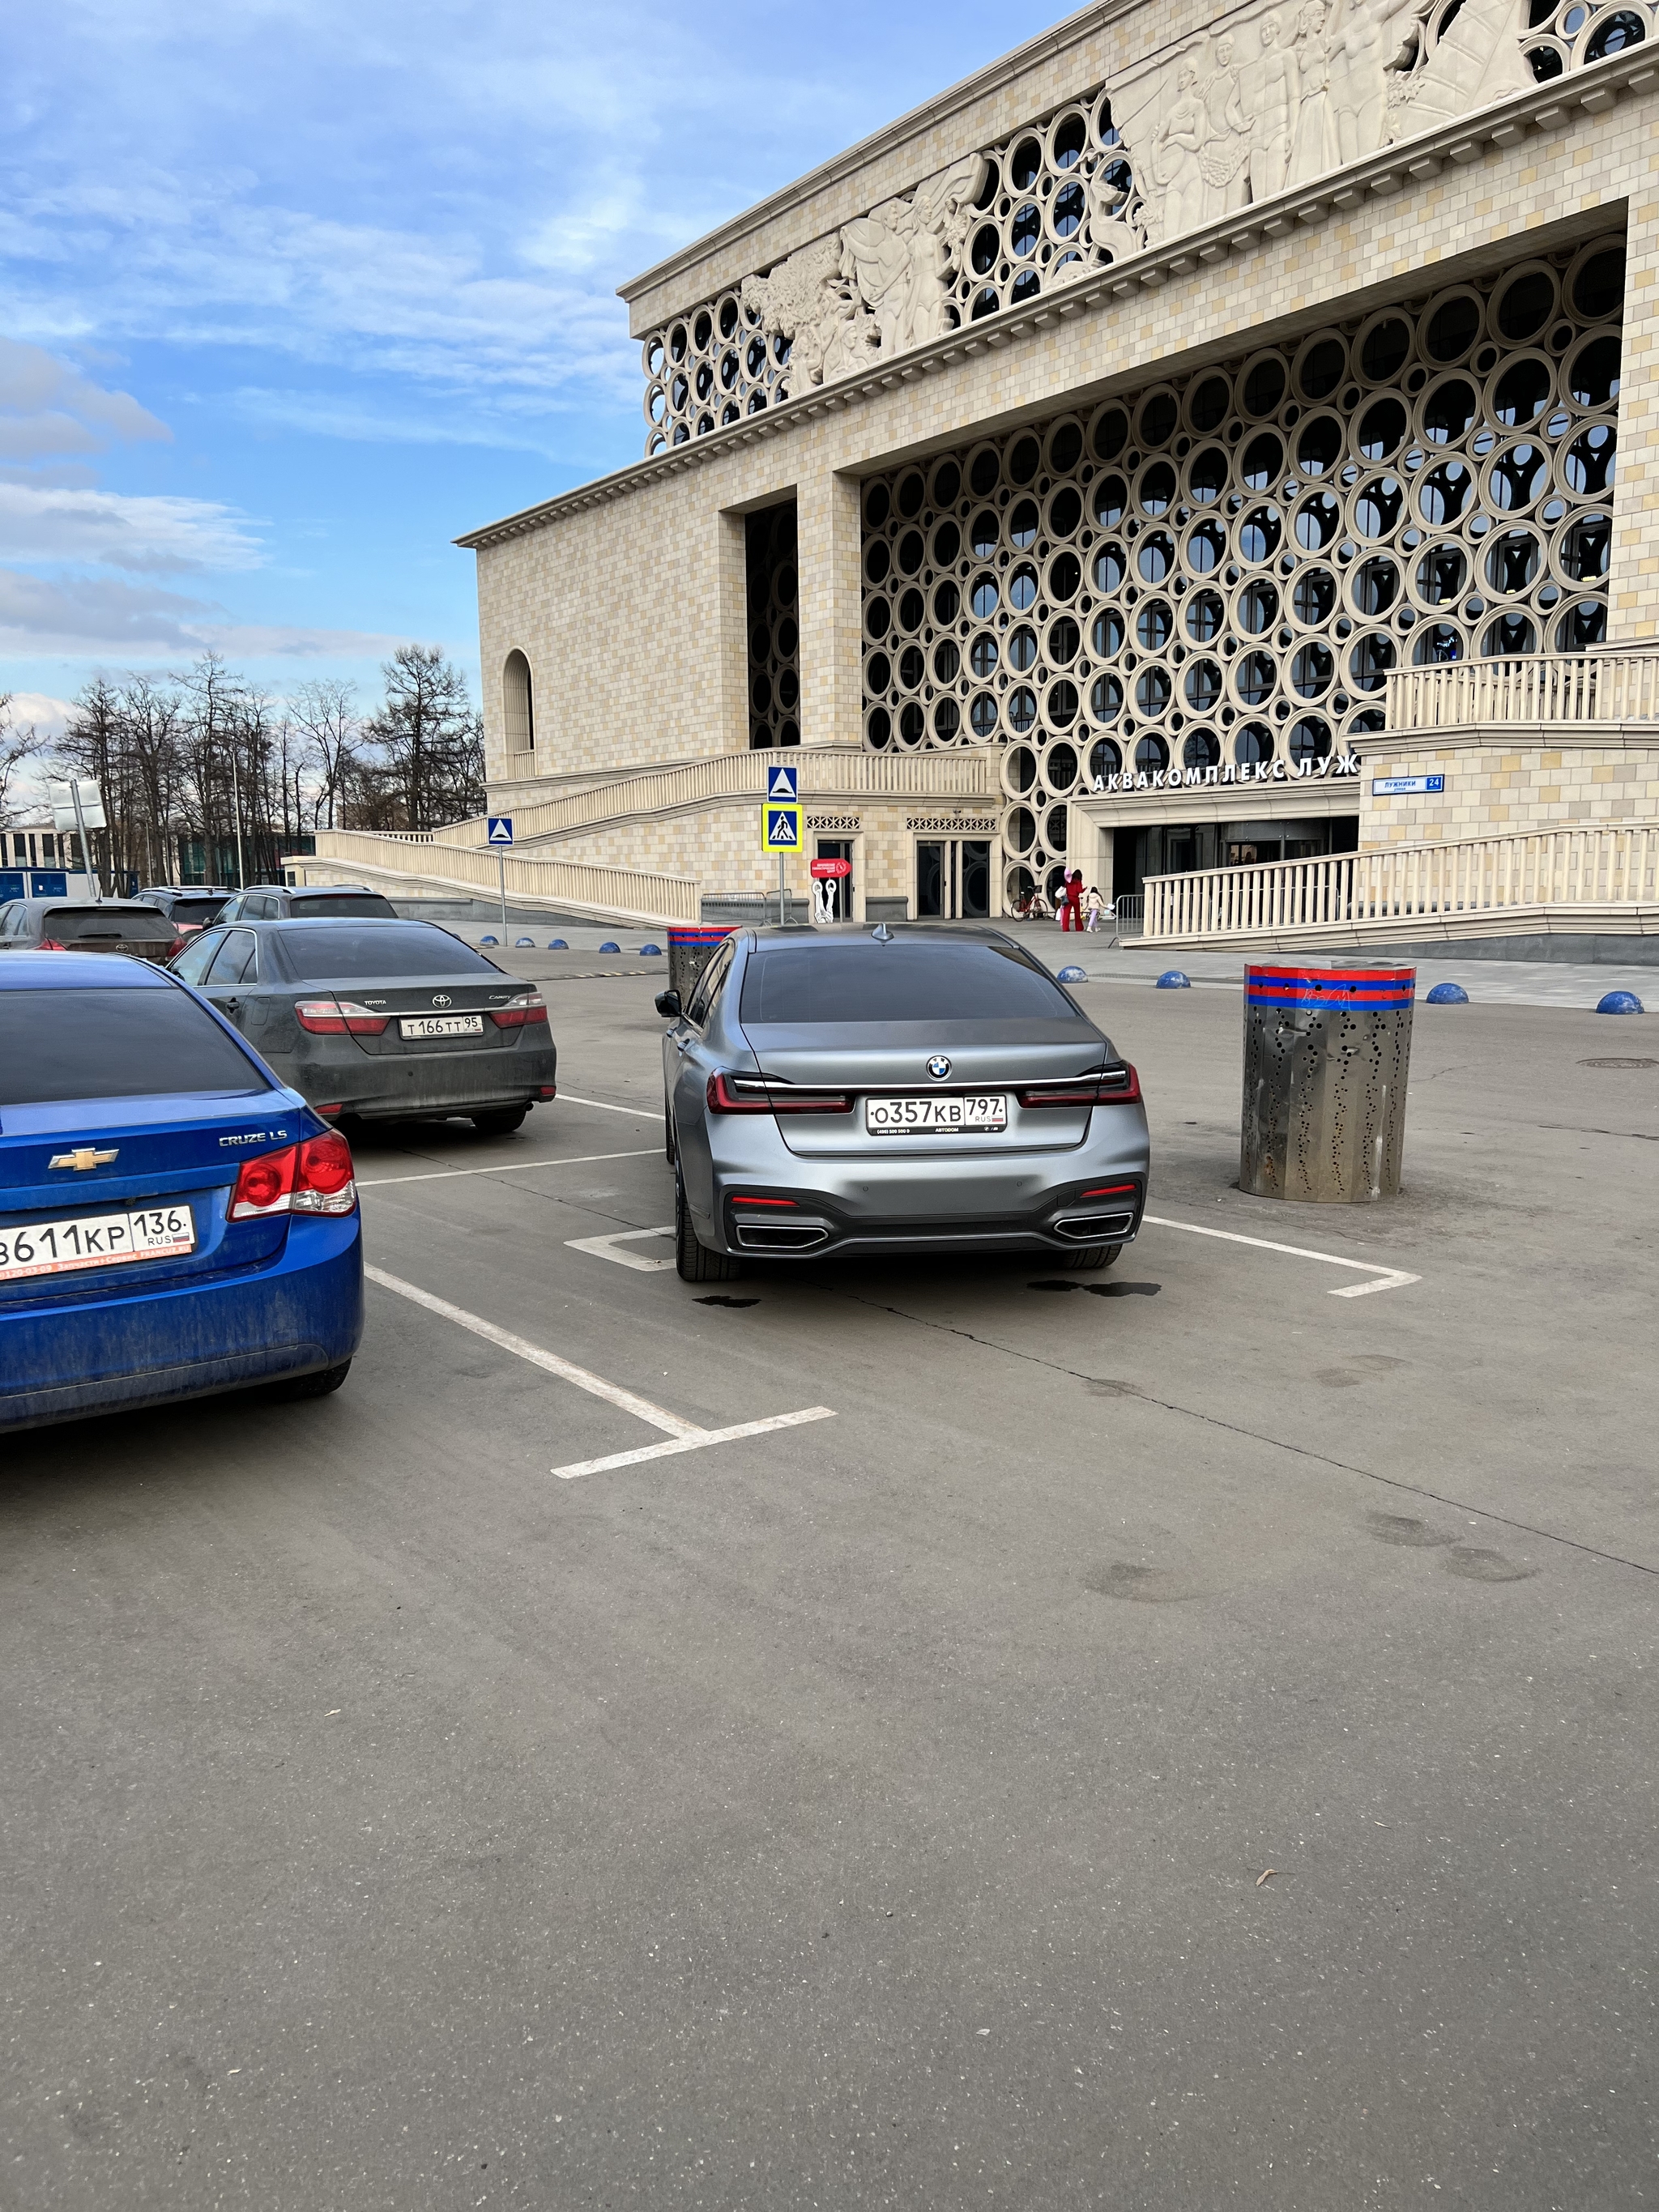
1224, 567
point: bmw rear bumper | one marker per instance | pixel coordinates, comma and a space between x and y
302, 1312
806, 1206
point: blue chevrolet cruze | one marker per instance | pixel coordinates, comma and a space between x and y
173, 1221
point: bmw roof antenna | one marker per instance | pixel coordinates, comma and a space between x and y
882, 934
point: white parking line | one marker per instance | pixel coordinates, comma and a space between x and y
602, 1247
1390, 1278
645, 1114
684, 1435
509, 1167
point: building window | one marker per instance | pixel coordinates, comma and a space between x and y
774, 628
519, 701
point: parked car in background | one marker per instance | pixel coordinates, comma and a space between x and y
128, 926
856, 1092
173, 1221
381, 1020
277, 902
187, 906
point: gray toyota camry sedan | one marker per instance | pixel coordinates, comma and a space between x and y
858, 1091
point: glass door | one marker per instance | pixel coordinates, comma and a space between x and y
953, 880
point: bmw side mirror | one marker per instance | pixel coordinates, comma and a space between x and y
668, 1005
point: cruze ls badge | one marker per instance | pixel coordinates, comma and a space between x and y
939, 1068
83, 1157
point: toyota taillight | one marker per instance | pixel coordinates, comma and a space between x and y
312, 1177
1108, 1086
177, 946
338, 1018
750, 1094
52, 945
517, 1013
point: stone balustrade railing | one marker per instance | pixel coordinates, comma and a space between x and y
1601, 866
1599, 687
627, 894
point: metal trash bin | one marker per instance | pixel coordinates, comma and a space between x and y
690, 952
1327, 1053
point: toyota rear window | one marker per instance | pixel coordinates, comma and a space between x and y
337, 954
132, 925
929, 981
133, 1043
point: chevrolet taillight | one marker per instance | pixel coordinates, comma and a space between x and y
312, 1177
517, 1013
338, 1018
1118, 1086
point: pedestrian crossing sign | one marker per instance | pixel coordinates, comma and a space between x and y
782, 828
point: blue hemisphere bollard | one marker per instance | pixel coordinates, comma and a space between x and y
1621, 1002
557, 945
1447, 994
490, 941
1073, 974
650, 951
609, 946
1172, 980
520, 941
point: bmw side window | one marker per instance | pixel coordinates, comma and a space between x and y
234, 962
193, 962
709, 988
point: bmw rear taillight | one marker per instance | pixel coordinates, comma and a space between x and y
1110, 1086
312, 1177
338, 1017
750, 1094
519, 1013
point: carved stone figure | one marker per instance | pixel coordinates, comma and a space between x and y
1176, 157
1363, 44
1225, 157
1477, 59
1275, 93
1108, 189
903, 256
1313, 142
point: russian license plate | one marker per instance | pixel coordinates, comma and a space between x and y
96, 1240
436, 1025
921, 1117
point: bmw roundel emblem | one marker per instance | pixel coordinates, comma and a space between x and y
939, 1068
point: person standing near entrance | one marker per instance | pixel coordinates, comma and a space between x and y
1095, 906
1072, 910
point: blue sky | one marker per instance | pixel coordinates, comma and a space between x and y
294, 292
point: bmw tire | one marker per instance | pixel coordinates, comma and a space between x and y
693, 1260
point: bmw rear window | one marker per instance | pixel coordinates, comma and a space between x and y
135, 1043
337, 954
900, 981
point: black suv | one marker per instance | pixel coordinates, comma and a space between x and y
308, 903
187, 906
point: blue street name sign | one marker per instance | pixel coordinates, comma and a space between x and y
1401, 786
782, 786
500, 829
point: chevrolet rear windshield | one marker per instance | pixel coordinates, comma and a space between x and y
337, 954
135, 1043
899, 981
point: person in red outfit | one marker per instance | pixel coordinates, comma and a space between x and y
1071, 918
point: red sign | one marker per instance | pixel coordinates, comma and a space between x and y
827, 872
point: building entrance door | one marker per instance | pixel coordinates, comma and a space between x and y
953, 880
837, 892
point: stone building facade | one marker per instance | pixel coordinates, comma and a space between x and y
1120, 424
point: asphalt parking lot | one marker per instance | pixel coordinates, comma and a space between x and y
880, 1809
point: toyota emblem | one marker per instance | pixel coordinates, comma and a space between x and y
441, 999
939, 1068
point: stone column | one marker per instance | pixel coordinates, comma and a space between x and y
829, 522
731, 731
1633, 597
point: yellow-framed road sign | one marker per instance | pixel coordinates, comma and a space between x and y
780, 829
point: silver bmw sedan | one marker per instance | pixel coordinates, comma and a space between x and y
853, 1092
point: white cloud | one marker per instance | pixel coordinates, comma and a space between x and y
153, 535
40, 711
105, 618
48, 407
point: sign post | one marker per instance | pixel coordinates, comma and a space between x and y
79, 805
501, 837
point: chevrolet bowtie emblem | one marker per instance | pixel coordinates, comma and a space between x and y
82, 1157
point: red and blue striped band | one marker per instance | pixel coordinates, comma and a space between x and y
1376, 989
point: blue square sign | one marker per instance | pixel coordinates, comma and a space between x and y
500, 829
782, 786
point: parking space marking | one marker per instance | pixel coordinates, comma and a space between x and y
644, 1113
1389, 1278
695, 1443
603, 1248
509, 1167
683, 1435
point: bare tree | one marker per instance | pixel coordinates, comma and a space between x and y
20, 742
326, 715
429, 740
